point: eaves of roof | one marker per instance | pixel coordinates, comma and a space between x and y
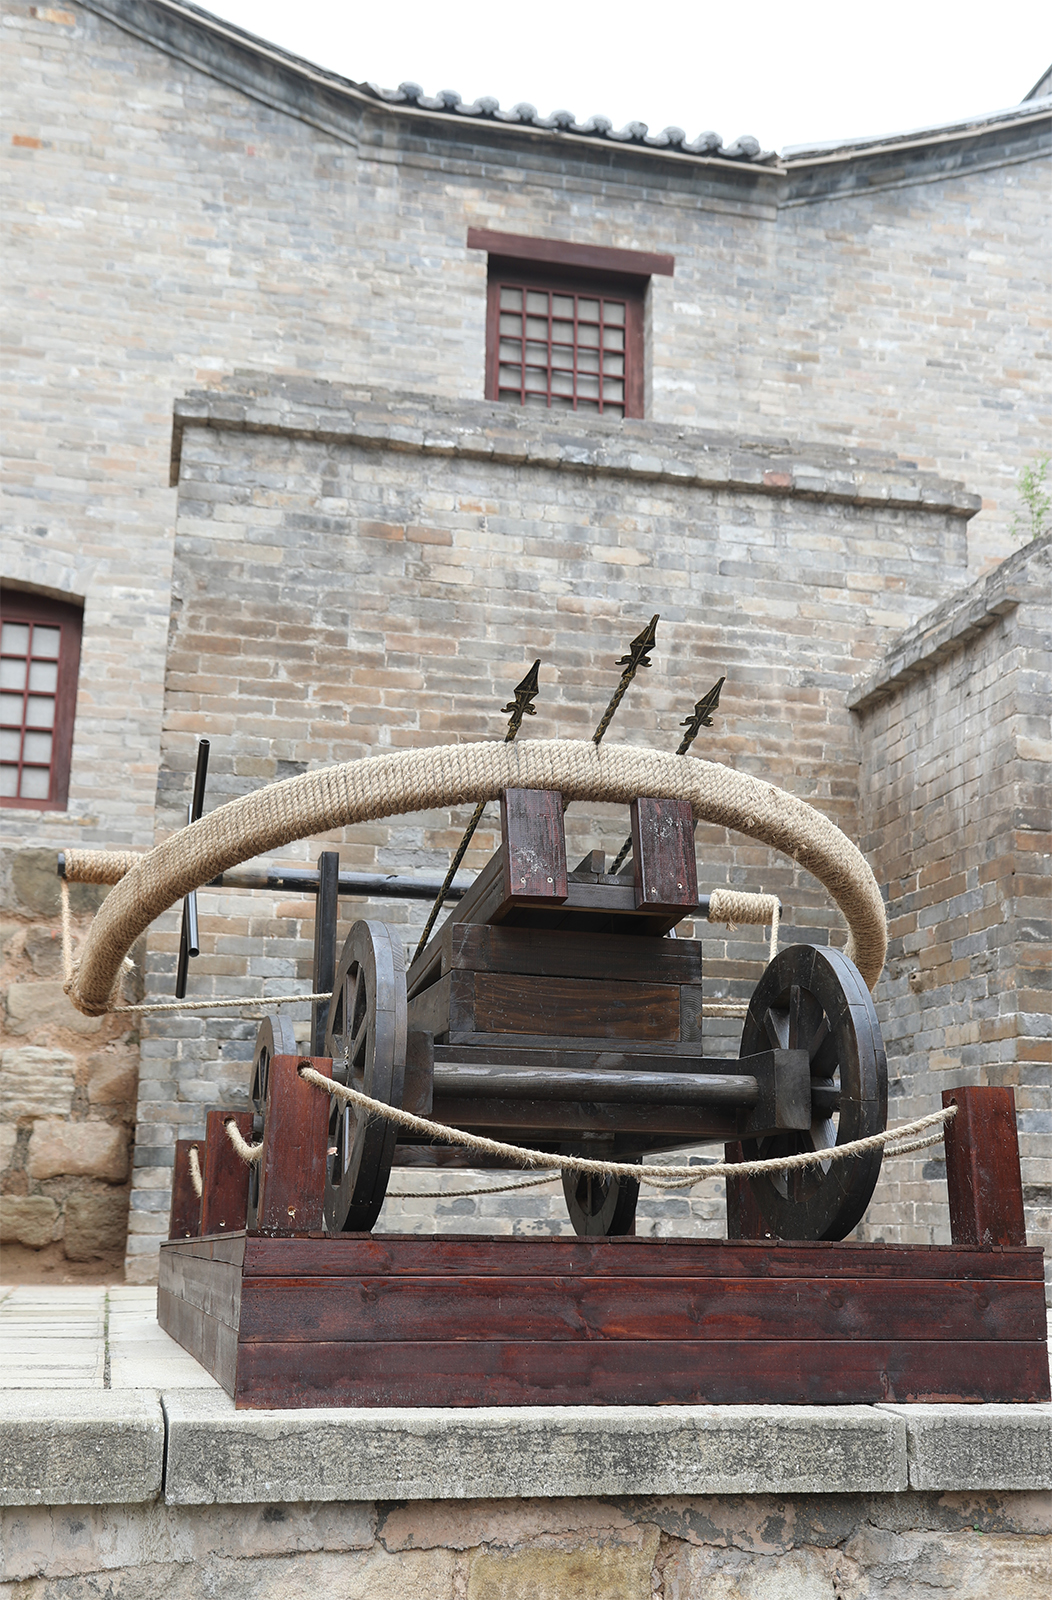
339, 106
202, 37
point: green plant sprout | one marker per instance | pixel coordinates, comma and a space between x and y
1038, 502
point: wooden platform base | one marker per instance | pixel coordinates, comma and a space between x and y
406, 1320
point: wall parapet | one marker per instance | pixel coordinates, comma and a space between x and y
488, 431
951, 626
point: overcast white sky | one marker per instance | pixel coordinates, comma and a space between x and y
790, 74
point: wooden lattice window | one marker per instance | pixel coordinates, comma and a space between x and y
565, 344
39, 661
564, 327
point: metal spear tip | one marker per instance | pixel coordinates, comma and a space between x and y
526, 691
641, 645
704, 708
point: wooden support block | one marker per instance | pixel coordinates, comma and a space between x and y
295, 1150
982, 1168
184, 1218
531, 822
743, 1214
224, 1203
664, 864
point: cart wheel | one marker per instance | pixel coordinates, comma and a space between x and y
366, 1038
276, 1037
813, 998
600, 1206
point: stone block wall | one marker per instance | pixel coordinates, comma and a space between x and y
68, 1088
954, 813
230, 214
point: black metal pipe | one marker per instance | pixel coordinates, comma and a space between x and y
304, 880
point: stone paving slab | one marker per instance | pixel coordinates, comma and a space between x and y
98, 1432
217, 1454
977, 1447
76, 1449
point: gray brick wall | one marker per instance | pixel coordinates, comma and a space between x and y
954, 817
180, 210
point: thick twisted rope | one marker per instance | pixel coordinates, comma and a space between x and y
194, 1165
670, 1176
417, 780
663, 1176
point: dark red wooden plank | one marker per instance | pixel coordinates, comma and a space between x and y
663, 861
225, 1199
721, 1372
562, 253
982, 1168
371, 1310
508, 1003
378, 1254
531, 823
295, 1143
549, 953
743, 1214
184, 1217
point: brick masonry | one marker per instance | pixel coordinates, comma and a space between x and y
227, 214
954, 817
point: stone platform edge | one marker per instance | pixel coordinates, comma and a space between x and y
191, 1447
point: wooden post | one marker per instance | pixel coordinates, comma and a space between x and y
531, 822
225, 1200
664, 865
982, 1168
326, 916
184, 1219
295, 1150
744, 1220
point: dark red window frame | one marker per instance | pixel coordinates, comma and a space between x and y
36, 611
561, 268
622, 292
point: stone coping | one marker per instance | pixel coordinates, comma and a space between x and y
192, 1447
476, 430
99, 1406
956, 621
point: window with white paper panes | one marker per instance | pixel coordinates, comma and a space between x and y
39, 662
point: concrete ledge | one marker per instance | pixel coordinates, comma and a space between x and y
977, 1447
80, 1448
217, 1455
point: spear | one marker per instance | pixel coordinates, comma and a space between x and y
700, 718
521, 706
189, 941
638, 656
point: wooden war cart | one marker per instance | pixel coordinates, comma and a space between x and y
554, 1010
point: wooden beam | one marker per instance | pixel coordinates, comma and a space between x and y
664, 865
224, 1203
184, 1218
534, 839
982, 1168
295, 1150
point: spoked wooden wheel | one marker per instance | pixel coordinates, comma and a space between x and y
366, 1039
276, 1037
600, 1206
815, 999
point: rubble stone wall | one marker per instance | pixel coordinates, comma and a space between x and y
701, 1547
68, 1087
